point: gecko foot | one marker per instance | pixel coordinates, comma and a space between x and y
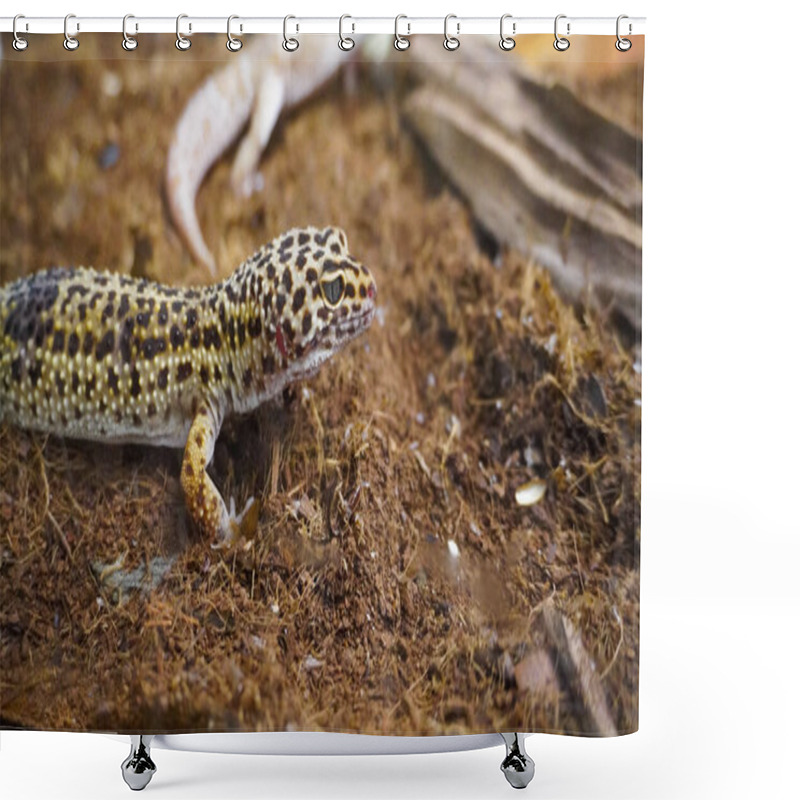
241, 525
245, 186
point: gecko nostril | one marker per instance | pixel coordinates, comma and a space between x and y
372, 291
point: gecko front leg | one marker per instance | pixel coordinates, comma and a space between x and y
202, 497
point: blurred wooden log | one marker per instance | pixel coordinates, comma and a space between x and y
579, 671
541, 171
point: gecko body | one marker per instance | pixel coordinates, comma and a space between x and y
104, 357
256, 86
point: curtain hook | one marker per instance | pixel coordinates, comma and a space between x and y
345, 42
401, 42
507, 42
70, 42
182, 43
451, 42
623, 45
19, 44
561, 44
233, 44
289, 44
129, 42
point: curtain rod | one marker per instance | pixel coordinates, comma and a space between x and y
407, 26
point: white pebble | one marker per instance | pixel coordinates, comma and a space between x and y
530, 493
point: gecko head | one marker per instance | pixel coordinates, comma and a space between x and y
323, 297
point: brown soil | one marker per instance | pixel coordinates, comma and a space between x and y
347, 611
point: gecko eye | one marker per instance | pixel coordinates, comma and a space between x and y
333, 290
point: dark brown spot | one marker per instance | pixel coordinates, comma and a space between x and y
204, 374
191, 318
136, 419
58, 342
151, 409
306, 322
362, 291
105, 345
143, 319
187, 468
211, 338
176, 337
88, 343
298, 300
73, 344
163, 377
287, 280
248, 378
194, 339
163, 316
125, 340
153, 346
113, 380
254, 327
184, 371
303, 238
136, 387
124, 306
75, 383
350, 290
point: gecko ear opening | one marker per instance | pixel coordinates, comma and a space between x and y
333, 290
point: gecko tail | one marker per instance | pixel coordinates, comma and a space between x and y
211, 121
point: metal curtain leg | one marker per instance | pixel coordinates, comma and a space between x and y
517, 766
138, 768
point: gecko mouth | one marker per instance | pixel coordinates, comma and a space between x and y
350, 327
345, 331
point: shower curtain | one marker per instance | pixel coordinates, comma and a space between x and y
384, 477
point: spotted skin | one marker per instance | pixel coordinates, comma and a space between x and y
104, 357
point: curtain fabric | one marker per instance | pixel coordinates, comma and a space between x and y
383, 477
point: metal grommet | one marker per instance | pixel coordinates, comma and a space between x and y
289, 44
233, 44
345, 42
561, 44
182, 43
70, 42
623, 45
128, 42
19, 44
451, 42
506, 42
401, 42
